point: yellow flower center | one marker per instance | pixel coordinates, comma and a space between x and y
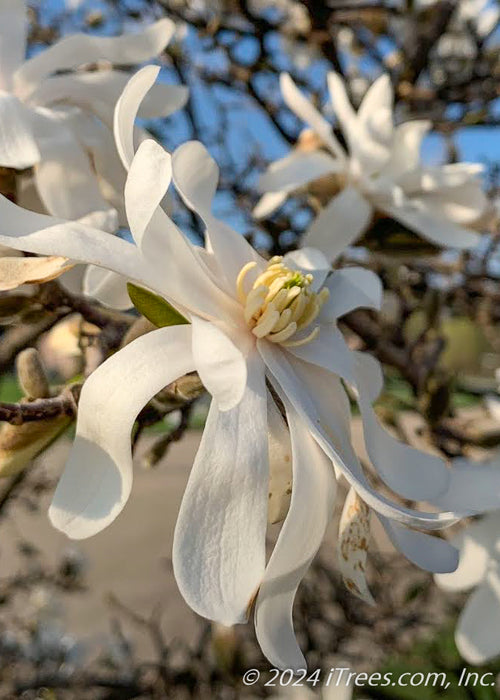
280, 303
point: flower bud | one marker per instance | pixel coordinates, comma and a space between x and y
31, 374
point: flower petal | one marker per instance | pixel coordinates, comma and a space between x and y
97, 479
440, 231
269, 203
285, 380
304, 109
77, 49
354, 536
311, 509
107, 287
147, 182
342, 107
219, 541
476, 635
340, 223
220, 364
64, 177
18, 148
473, 486
405, 153
14, 23
463, 205
280, 463
196, 175
99, 91
296, 170
429, 553
15, 271
351, 288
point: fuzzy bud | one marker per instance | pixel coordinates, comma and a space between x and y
31, 374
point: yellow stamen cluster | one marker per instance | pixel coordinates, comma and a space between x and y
280, 303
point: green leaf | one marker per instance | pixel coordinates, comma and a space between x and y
154, 308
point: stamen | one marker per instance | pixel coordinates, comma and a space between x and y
280, 303
241, 278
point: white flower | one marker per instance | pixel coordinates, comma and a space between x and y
254, 324
476, 634
59, 119
380, 171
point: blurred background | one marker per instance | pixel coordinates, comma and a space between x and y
103, 618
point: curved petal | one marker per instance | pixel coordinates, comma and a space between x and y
148, 179
352, 549
97, 480
351, 288
280, 463
342, 107
14, 23
311, 509
269, 203
463, 205
77, 49
476, 635
65, 179
286, 382
473, 486
476, 544
196, 175
405, 152
379, 96
46, 235
304, 109
429, 553
18, 147
340, 223
99, 91
296, 170
440, 231
220, 364
107, 287
309, 260
126, 111
219, 541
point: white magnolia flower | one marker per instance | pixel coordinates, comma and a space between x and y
476, 634
59, 119
253, 324
380, 171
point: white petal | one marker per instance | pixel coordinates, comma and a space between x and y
328, 350
46, 235
437, 230
442, 177
97, 479
127, 108
342, 106
476, 544
269, 203
340, 223
309, 260
304, 109
473, 486
15, 271
351, 288
196, 175
18, 148
463, 205
311, 509
354, 536
99, 91
65, 179
287, 383
77, 49
107, 287
476, 635
220, 364
429, 553
280, 463
379, 96
219, 541
14, 24
296, 170
405, 153
411, 473
148, 179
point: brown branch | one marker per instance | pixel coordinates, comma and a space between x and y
41, 409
